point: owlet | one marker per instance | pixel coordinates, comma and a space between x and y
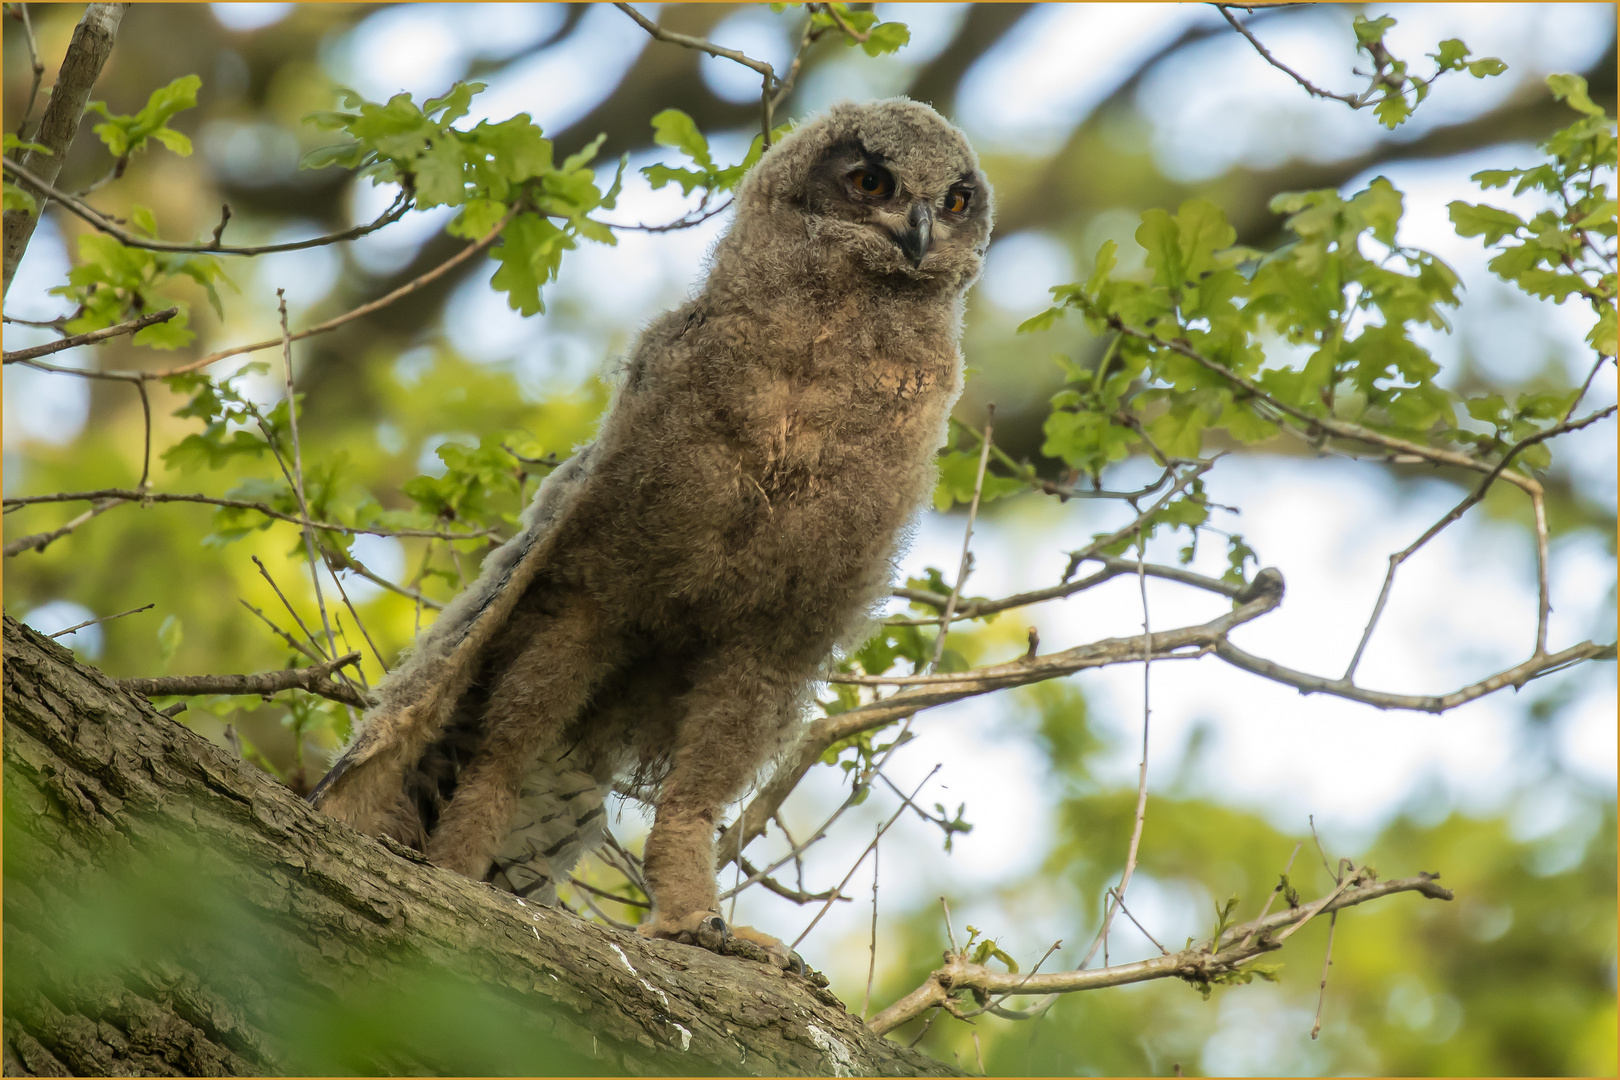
681, 581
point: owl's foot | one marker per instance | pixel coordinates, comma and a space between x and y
707, 930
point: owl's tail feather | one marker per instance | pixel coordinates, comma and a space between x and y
561, 817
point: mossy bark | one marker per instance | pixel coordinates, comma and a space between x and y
99, 788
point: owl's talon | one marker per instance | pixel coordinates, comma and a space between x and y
709, 931
704, 929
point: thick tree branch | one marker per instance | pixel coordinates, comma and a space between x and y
95, 777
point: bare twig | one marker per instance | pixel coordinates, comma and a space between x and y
100, 221
298, 470
1198, 964
604, 894
346, 561
1472, 499
1515, 676
1353, 100
868, 850
40, 541
966, 564
92, 336
871, 963
313, 640
315, 679
291, 641
1327, 962
331, 324
105, 618
37, 67
120, 495
1140, 819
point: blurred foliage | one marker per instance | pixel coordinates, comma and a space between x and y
399, 432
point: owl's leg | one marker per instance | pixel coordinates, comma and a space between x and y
731, 725
546, 685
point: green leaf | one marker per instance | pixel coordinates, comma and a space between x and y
169, 635
477, 217
886, 38
584, 156
1486, 67
455, 103
530, 252
1451, 55
18, 199
1571, 89
1392, 109
12, 142
1369, 31
674, 128
126, 134
347, 155
1489, 222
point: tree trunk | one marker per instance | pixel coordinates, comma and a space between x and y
171, 910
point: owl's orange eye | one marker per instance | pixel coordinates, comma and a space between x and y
957, 202
872, 182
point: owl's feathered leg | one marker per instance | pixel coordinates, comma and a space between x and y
545, 686
726, 735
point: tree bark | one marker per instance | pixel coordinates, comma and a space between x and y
86, 55
96, 779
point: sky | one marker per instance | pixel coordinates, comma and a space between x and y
1329, 526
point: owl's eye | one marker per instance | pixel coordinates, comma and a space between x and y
872, 182
957, 201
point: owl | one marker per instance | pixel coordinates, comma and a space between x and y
679, 583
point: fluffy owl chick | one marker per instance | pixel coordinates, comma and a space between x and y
681, 581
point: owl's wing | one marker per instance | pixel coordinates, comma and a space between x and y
366, 785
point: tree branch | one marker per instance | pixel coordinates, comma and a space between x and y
98, 220
93, 336
1199, 965
315, 679
118, 495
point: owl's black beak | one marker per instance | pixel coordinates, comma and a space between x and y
918, 234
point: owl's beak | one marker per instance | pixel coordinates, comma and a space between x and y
918, 234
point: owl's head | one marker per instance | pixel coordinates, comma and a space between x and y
890, 187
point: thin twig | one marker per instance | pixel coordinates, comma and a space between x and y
38, 71
90, 214
291, 641
265, 573
1352, 100
1456, 512
615, 897
121, 495
314, 679
331, 324
966, 563
868, 850
1140, 820
105, 618
346, 561
40, 541
1327, 962
1198, 964
91, 337
871, 963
